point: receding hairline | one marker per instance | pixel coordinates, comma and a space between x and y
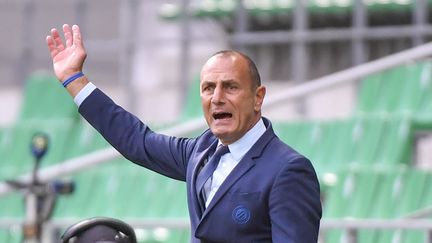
252, 68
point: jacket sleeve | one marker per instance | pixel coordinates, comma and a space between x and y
134, 140
295, 206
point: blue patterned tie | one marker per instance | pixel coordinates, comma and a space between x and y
209, 168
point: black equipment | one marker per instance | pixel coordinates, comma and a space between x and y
40, 197
99, 229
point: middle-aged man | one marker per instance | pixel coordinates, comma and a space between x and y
243, 183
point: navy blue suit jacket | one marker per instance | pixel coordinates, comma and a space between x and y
272, 195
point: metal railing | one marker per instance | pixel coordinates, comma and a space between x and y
351, 227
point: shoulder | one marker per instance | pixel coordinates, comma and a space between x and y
204, 141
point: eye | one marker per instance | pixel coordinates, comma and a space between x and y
207, 88
232, 87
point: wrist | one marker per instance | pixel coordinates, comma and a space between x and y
75, 87
63, 76
72, 78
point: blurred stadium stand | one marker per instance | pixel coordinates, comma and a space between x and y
370, 141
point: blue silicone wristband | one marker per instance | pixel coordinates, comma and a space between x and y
72, 78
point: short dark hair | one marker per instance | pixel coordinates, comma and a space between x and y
253, 70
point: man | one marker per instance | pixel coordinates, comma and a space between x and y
258, 190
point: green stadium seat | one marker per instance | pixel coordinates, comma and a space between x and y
292, 133
365, 138
5, 135
12, 206
352, 197
11, 236
84, 139
124, 190
338, 134
395, 143
4, 235
385, 99
330, 7
407, 192
162, 234
414, 80
45, 98
192, 109
2, 132
226, 8
81, 201
424, 109
17, 156
401, 91
384, 194
306, 137
369, 91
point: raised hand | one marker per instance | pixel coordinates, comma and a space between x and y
67, 58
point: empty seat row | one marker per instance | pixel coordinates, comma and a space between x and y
124, 190
46, 99
356, 142
15, 150
405, 90
219, 8
382, 194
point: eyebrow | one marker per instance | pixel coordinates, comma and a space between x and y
223, 81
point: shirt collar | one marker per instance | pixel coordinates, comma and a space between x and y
240, 147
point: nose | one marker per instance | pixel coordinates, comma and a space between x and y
218, 96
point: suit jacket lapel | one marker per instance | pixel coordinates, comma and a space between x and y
242, 167
202, 157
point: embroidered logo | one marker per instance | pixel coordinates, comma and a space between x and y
241, 214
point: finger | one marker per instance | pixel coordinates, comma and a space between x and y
77, 40
68, 35
51, 46
57, 40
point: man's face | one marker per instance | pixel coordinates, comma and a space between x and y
230, 101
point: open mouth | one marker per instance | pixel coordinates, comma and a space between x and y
221, 115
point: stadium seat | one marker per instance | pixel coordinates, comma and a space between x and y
10, 236
407, 192
378, 194
84, 139
17, 155
369, 91
12, 206
395, 143
192, 109
4, 137
424, 109
401, 91
45, 98
82, 201
162, 234
358, 142
127, 191
223, 8
352, 197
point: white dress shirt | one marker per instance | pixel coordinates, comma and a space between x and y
84, 93
227, 162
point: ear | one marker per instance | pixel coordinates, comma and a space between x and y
259, 97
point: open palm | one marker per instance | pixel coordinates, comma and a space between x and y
67, 58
